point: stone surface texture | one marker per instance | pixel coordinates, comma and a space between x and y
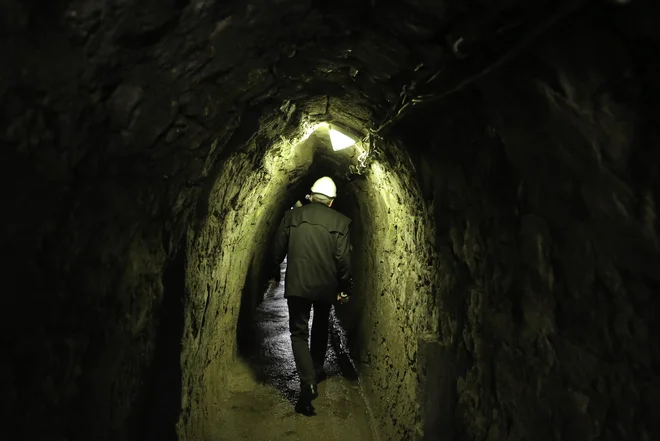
506, 235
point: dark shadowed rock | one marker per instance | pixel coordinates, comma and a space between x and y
506, 236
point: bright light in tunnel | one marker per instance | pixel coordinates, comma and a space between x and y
339, 140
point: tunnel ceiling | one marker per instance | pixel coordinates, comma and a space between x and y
177, 74
145, 97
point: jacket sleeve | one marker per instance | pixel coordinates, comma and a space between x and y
343, 258
281, 243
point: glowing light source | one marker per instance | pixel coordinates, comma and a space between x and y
340, 141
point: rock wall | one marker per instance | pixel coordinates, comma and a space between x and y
227, 252
544, 184
393, 305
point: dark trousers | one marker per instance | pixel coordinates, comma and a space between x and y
309, 362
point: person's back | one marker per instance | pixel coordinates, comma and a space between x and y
318, 254
315, 239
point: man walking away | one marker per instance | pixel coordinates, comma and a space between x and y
315, 239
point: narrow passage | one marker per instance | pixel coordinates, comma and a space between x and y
263, 388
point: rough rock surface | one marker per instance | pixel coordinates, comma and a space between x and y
548, 244
394, 304
507, 234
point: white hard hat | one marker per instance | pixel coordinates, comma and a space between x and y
325, 186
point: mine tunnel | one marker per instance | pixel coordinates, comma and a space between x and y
503, 187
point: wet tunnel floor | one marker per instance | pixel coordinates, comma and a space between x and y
264, 388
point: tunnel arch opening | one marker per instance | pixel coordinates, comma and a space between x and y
228, 252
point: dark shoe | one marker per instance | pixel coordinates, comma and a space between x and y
305, 408
308, 392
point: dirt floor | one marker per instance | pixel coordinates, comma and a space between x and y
264, 388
